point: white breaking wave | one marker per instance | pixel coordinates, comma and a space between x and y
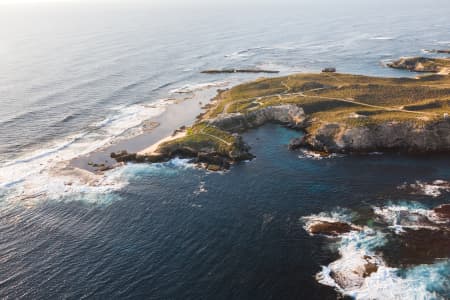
283, 69
432, 189
412, 216
243, 53
337, 215
382, 38
44, 173
201, 188
414, 283
308, 154
190, 88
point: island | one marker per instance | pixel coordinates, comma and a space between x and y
338, 113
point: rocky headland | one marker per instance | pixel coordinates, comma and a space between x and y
338, 113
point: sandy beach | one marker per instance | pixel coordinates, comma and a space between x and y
181, 113
153, 148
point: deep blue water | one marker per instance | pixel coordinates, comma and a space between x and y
75, 75
162, 238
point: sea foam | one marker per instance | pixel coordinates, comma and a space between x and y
357, 249
431, 189
45, 172
190, 88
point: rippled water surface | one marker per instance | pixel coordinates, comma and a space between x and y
75, 77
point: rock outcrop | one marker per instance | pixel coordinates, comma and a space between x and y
207, 153
350, 271
422, 64
330, 228
395, 136
443, 211
329, 70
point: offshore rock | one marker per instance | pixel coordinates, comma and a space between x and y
330, 228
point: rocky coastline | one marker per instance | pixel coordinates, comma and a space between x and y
407, 137
423, 64
317, 105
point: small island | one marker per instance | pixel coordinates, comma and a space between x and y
339, 113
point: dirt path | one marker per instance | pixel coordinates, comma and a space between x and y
373, 106
215, 137
303, 94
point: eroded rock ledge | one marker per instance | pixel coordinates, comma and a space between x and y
394, 136
422, 64
291, 115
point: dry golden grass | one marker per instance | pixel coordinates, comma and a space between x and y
338, 96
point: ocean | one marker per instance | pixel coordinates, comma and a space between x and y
80, 76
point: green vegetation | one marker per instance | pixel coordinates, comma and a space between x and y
343, 97
203, 138
352, 100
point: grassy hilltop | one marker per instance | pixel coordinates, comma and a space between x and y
343, 97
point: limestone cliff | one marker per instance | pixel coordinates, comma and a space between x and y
292, 115
397, 136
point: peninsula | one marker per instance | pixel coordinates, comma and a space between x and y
339, 113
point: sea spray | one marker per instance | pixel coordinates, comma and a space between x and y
46, 172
